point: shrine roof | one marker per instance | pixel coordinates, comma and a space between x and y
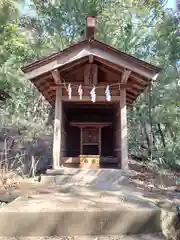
70, 63
93, 43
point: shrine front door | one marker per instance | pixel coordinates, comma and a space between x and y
90, 141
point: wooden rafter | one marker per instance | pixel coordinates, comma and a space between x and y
71, 72
75, 64
38, 81
108, 69
138, 79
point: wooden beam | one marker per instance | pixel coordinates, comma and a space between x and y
91, 59
51, 100
90, 124
125, 76
88, 99
123, 132
102, 84
51, 91
87, 69
94, 68
56, 76
52, 95
57, 130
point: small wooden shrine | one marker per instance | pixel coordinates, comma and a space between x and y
90, 85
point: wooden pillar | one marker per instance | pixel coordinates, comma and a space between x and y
81, 141
117, 133
123, 130
57, 130
100, 141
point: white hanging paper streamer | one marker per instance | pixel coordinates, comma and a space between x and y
69, 91
80, 92
93, 94
108, 94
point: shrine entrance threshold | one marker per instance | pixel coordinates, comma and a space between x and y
89, 135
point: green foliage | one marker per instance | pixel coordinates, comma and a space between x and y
142, 28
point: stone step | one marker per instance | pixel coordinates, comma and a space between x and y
73, 214
89, 171
81, 210
85, 176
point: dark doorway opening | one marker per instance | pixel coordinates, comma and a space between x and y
90, 150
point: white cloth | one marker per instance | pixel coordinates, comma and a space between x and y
80, 91
69, 91
108, 94
93, 94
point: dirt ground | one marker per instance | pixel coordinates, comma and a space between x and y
159, 190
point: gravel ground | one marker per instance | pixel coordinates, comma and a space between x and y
133, 237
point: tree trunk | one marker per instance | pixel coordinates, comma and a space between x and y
148, 137
162, 135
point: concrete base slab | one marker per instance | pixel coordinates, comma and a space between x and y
77, 212
80, 203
